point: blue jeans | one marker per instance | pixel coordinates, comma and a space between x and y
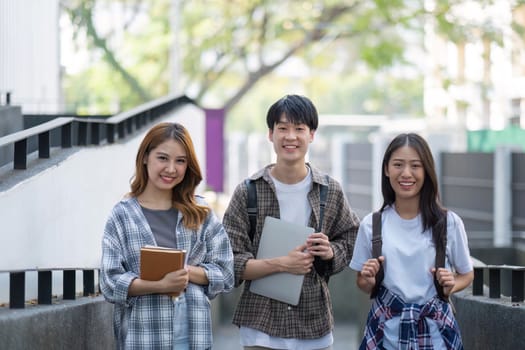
180, 324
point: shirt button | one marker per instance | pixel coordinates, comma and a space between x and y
289, 307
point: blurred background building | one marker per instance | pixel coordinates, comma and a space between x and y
30, 60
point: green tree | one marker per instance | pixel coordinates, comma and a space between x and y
129, 57
229, 47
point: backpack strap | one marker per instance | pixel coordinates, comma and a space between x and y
323, 193
377, 245
439, 233
251, 206
377, 241
320, 265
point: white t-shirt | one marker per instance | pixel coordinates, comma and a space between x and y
293, 200
294, 207
409, 257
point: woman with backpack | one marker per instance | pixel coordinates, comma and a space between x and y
418, 259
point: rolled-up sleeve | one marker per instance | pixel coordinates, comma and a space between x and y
114, 279
218, 263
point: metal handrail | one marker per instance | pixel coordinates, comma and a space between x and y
122, 124
19, 139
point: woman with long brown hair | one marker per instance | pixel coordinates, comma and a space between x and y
163, 210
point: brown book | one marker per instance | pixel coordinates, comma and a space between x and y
156, 262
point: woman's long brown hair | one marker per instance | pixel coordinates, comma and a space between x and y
183, 195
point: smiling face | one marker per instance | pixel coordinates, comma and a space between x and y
166, 166
290, 141
406, 173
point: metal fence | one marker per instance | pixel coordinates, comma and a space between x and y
487, 190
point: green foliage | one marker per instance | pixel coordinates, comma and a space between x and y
351, 94
112, 96
460, 30
243, 55
227, 48
382, 53
365, 94
130, 64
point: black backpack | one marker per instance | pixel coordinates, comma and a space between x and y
251, 207
439, 236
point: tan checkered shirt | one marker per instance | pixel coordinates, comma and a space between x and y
312, 318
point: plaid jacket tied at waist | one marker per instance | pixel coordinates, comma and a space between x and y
414, 332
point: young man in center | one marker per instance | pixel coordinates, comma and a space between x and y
290, 190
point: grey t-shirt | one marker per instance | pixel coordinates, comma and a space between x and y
163, 224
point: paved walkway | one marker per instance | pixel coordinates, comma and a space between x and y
226, 337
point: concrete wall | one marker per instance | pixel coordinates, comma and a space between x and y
489, 323
86, 323
56, 216
81, 324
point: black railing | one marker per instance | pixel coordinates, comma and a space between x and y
17, 284
127, 122
5, 98
517, 283
20, 139
89, 130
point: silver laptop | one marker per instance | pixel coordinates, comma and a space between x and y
277, 239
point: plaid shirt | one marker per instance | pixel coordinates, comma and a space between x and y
312, 318
413, 329
146, 322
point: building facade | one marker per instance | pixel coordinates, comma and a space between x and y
30, 70
476, 75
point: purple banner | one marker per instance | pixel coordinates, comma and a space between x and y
215, 149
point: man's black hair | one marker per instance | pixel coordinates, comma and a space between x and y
297, 110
